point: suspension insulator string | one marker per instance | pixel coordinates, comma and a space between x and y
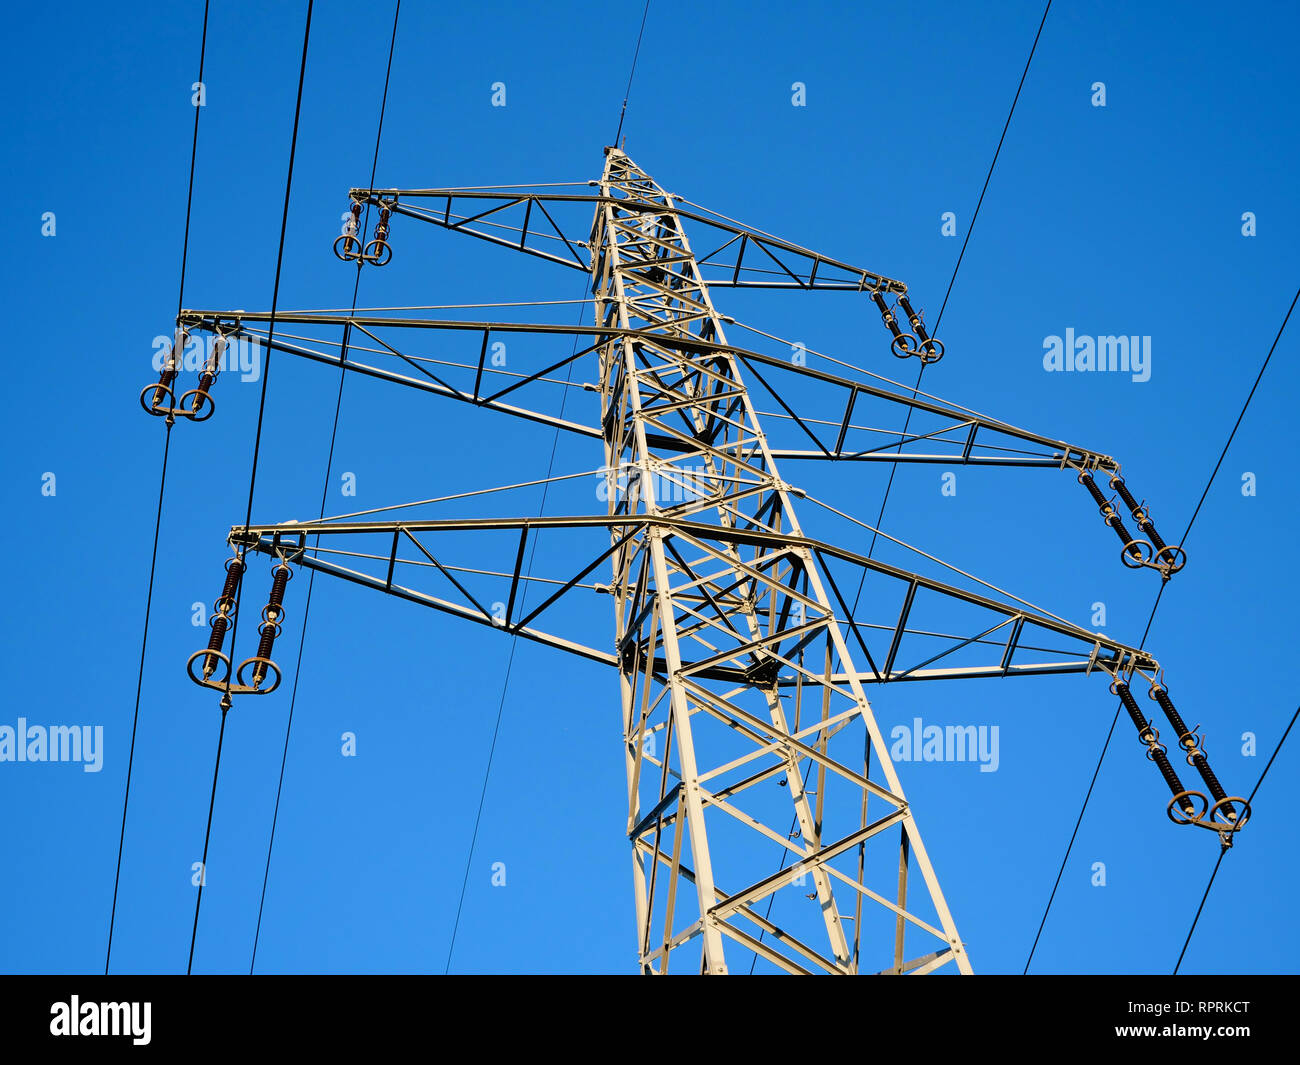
170, 368
197, 405
903, 344
1187, 739
224, 609
1132, 554
1168, 559
378, 250
1156, 751
201, 404
269, 629
152, 397
347, 246
931, 350
223, 613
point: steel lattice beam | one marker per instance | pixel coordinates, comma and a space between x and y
966, 436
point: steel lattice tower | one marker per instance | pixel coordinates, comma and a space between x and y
707, 621
741, 664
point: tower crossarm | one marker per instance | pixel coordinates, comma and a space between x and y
828, 414
542, 221
920, 629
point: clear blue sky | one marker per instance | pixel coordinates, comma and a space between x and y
1117, 220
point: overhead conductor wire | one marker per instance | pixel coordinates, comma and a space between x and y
162, 485
921, 373
252, 479
329, 465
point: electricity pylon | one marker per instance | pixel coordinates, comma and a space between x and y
741, 665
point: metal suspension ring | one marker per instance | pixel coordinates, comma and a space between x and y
1144, 556
1182, 818
159, 412
275, 622
1176, 558
351, 247
1219, 815
903, 346
208, 682
1192, 744
247, 687
204, 412
928, 353
382, 254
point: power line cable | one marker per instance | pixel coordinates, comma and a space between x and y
1236, 425
329, 465
1224, 850
139, 684
252, 480
921, 373
1187, 532
628, 92
1087, 796
505, 685
952, 280
162, 486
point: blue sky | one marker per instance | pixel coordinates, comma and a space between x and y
1117, 220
